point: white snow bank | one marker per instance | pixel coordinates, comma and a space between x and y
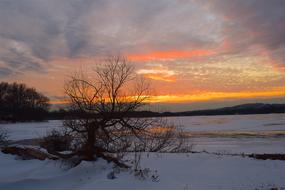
176, 172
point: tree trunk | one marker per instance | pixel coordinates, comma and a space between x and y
90, 149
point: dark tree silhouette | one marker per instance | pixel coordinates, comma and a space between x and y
20, 103
104, 103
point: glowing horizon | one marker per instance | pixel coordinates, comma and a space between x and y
205, 96
190, 51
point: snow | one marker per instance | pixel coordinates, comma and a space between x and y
260, 122
176, 171
29, 130
218, 125
240, 145
181, 171
236, 124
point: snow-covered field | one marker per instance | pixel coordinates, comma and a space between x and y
216, 125
175, 171
234, 125
183, 171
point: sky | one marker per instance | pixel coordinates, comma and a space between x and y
196, 53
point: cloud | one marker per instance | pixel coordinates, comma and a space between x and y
252, 26
72, 28
161, 74
5, 72
16, 58
174, 54
183, 45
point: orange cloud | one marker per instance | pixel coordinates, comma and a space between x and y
161, 77
169, 55
277, 66
158, 74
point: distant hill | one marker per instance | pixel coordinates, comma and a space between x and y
258, 108
243, 109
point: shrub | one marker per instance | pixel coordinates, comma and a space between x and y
56, 141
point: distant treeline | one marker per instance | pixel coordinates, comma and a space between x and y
243, 109
21, 103
258, 108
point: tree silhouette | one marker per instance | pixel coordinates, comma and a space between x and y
104, 103
20, 103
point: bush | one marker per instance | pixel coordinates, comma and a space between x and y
56, 141
3, 137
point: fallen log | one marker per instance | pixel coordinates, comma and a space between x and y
267, 156
28, 153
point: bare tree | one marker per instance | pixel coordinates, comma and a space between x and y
102, 124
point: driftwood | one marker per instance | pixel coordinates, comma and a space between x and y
267, 156
31, 153
77, 157
255, 156
28, 153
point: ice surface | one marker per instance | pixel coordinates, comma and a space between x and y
29, 130
176, 171
219, 125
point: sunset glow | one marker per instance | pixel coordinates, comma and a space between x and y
208, 96
190, 51
169, 55
215, 96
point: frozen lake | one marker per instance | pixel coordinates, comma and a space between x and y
219, 134
231, 134
244, 133
262, 122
